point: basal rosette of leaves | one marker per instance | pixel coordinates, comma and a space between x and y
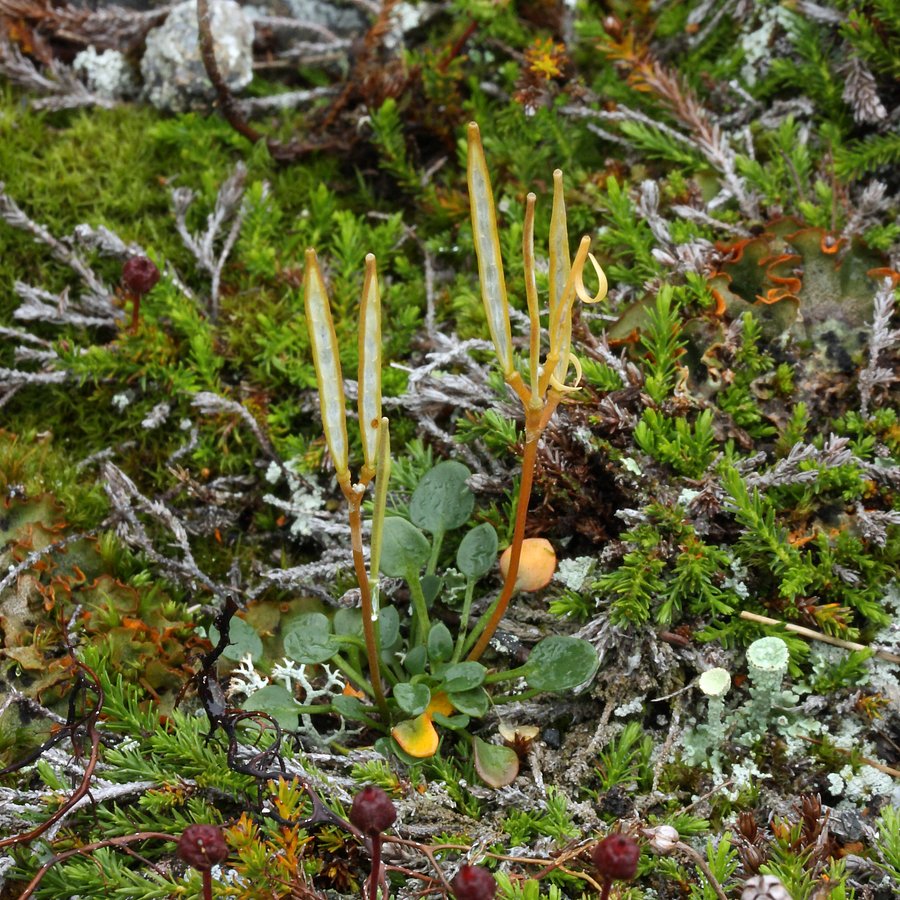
431, 685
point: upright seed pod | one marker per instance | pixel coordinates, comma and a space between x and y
560, 267
534, 316
328, 367
369, 399
487, 250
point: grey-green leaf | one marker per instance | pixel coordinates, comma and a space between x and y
442, 500
389, 626
348, 622
464, 676
349, 707
497, 766
440, 643
560, 663
415, 661
477, 553
413, 699
473, 702
310, 639
277, 701
404, 547
243, 640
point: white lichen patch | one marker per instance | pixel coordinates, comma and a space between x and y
573, 573
107, 74
122, 400
306, 500
858, 788
245, 680
172, 67
157, 416
632, 707
757, 44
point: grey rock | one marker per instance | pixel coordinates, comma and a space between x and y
174, 77
340, 18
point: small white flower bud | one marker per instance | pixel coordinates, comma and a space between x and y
662, 838
764, 887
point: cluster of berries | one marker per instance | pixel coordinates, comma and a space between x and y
372, 813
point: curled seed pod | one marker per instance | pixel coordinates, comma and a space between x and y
473, 883
139, 275
202, 846
617, 857
764, 887
372, 810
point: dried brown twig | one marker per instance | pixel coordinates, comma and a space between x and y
73, 725
107, 28
820, 636
226, 98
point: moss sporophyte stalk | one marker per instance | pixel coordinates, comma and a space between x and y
428, 680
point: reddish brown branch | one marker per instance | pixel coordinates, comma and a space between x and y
89, 721
226, 98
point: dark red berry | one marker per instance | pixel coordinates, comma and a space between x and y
473, 883
617, 857
372, 810
139, 275
202, 846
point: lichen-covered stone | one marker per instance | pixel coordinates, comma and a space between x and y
342, 19
175, 79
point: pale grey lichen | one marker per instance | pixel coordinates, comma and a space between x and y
156, 416
633, 706
573, 573
306, 501
757, 45
107, 74
767, 662
121, 400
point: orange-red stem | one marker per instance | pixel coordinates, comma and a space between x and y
362, 577
529, 459
536, 419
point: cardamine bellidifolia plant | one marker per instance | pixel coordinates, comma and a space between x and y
416, 674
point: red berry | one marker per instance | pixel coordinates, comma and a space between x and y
617, 857
372, 810
473, 883
139, 275
202, 846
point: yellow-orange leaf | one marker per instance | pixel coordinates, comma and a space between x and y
417, 737
440, 703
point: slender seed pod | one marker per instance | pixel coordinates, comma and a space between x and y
369, 400
534, 315
560, 267
487, 250
327, 361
